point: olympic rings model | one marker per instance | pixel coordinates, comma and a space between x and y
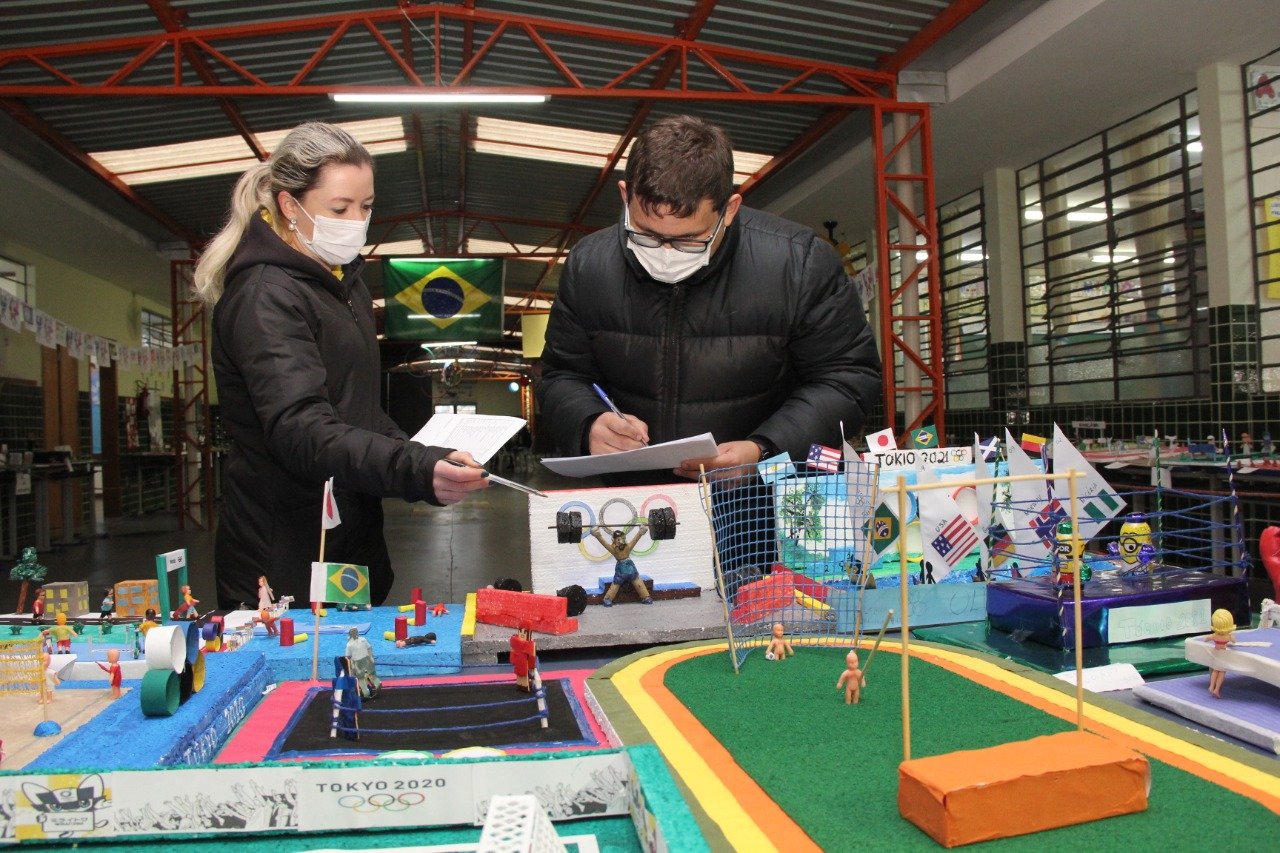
390, 802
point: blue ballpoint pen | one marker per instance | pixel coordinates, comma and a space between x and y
605, 397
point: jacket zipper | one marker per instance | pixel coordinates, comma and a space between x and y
671, 364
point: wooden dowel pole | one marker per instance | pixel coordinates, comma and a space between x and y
903, 622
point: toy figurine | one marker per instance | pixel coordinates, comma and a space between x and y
524, 657
427, 639
1065, 557
1267, 447
108, 605
1269, 614
439, 609
779, 646
186, 610
625, 570
1224, 627
62, 633
361, 665
149, 621
51, 679
852, 679
266, 597
1246, 444
1134, 546
113, 671
268, 621
37, 607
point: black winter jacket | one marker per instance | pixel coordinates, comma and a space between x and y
770, 339
295, 356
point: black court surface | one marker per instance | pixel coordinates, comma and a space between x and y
442, 717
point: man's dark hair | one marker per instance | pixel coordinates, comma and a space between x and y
677, 162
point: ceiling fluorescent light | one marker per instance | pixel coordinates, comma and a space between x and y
226, 155
430, 345
435, 98
1089, 215
974, 255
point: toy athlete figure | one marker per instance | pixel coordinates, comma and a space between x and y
852, 679
37, 607
266, 597
361, 665
427, 639
779, 646
186, 610
62, 633
1224, 627
625, 570
524, 657
113, 670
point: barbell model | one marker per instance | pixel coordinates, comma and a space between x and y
661, 524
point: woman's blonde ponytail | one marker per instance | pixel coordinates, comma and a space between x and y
252, 192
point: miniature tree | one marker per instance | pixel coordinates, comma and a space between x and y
27, 570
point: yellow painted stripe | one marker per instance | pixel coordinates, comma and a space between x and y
469, 616
715, 798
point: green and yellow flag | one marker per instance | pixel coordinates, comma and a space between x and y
340, 583
443, 300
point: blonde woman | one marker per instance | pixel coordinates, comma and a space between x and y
296, 360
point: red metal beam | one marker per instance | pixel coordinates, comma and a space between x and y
173, 20
798, 146
929, 34
71, 151
859, 86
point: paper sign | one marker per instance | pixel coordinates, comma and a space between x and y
920, 457
1102, 679
1145, 622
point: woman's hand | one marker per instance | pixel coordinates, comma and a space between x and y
456, 475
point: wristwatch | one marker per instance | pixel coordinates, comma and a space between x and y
767, 448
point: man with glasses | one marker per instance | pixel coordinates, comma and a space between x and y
697, 314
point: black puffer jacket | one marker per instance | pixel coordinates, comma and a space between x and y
769, 339
296, 360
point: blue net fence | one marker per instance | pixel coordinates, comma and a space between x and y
818, 551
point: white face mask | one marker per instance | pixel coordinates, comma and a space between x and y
666, 264
335, 241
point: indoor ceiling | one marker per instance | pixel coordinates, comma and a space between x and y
97, 95
1021, 78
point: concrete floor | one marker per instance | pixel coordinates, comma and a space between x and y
448, 551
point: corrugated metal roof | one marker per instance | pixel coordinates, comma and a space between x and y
853, 33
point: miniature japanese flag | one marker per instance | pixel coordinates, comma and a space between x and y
329, 517
882, 441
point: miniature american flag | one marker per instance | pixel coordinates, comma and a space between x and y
955, 541
824, 458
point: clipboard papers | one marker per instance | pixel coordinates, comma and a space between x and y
669, 454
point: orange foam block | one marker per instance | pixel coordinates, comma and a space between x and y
1017, 788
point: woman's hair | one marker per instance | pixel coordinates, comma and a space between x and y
294, 168
1222, 621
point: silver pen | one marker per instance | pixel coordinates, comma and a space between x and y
501, 481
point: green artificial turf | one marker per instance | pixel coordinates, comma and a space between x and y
833, 767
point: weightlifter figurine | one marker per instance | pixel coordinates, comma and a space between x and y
625, 571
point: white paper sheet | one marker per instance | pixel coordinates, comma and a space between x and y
669, 454
480, 435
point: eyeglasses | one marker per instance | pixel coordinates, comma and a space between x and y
691, 247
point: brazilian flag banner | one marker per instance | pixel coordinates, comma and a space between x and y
430, 300
340, 583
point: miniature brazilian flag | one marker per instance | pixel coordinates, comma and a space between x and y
884, 528
925, 437
340, 583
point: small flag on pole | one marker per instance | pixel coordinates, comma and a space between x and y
340, 583
882, 441
329, 517
925, 437
1033, 443
989, 448
824, 458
